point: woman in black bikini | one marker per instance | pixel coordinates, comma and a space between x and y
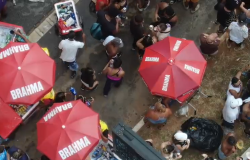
164, 13
88, 79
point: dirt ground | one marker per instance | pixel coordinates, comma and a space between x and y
219, 71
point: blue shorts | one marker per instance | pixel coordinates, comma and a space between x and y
73, 66
248, 20
159, 121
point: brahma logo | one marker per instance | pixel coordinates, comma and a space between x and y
74, 148
177, 45
192, 69
152, 59
14, 49
56, 110
165, 83
27, 90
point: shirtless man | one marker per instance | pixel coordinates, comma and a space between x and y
112, 46
227, 147
245, 117
157, 114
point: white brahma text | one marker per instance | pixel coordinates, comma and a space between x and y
26, 90
56, 110
192, 69
14, 49
152, 59
165, 83
74, 148
177, 45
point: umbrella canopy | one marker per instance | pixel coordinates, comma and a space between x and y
172, 67
69, 131
27, 73
9, 120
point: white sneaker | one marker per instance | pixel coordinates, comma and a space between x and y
196, 8
183, 2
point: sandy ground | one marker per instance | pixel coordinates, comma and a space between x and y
219, 71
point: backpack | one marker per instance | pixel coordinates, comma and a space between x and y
96, 31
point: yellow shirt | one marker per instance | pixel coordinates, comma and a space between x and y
104, 126
50, 95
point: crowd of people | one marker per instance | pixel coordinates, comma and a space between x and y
110, 16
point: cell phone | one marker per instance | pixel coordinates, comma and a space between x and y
12, 32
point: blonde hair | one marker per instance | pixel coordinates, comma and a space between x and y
159, 107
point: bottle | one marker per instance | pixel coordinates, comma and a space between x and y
72, 90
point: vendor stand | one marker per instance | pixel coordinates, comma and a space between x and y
24, 82
68, 19
7, 34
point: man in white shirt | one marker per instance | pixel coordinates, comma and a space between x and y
238, 31
69, 49
231, 112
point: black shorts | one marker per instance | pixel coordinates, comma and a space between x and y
227, 124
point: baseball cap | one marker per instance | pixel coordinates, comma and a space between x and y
235, 102
180, 136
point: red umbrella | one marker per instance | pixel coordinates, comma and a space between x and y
69, 131
9, 120
172, 67
27, 73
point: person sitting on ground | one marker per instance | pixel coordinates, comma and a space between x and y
101, 4
104, 131
88, 79
136, 29
164, 13
112, 46
226, 14
230, 113
181, 141
170, 151
227, 147
235, 86
109, 24
114, 75
157, 114
246, 11
245, 117
142, 5
161, 31
238, 31
143, 43
209, 43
